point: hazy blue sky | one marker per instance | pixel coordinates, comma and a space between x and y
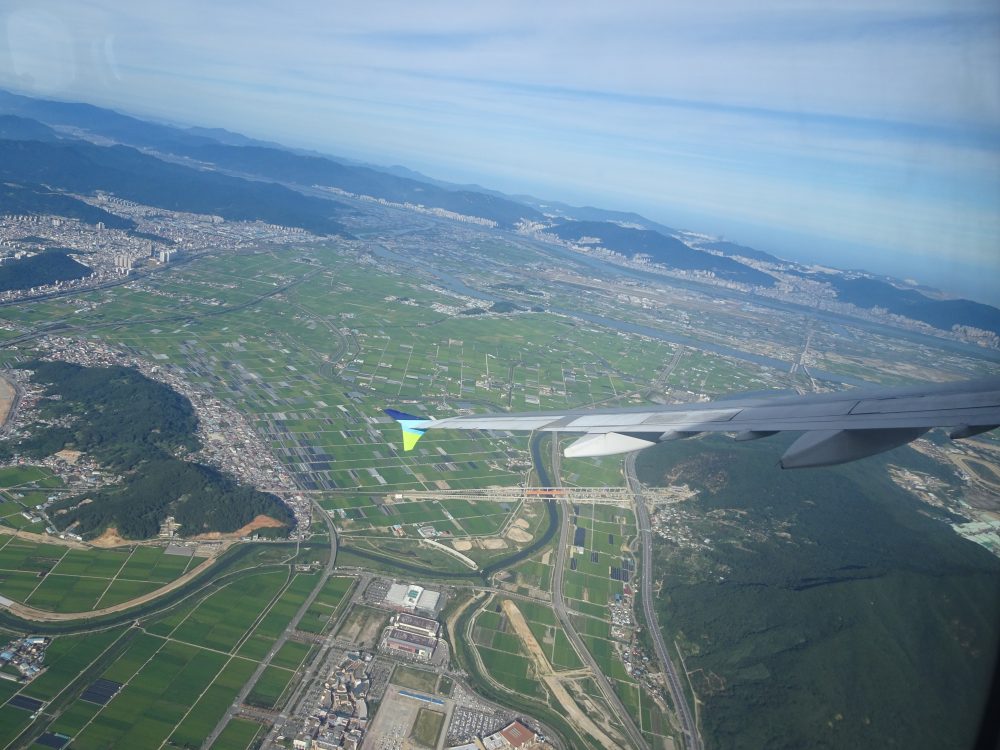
863, 133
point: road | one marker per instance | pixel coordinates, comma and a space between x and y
692, 740
559, 606
235, 708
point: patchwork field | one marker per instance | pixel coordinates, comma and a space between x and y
58, 578
21, 489
350, 333
181, 671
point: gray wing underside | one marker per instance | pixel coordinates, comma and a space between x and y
838, 426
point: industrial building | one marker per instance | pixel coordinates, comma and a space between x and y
514, 735
412, 598
403, 641
416, 624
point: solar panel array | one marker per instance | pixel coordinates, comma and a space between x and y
50, 739
25, 703
101, 691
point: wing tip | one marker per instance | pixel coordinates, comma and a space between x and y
402, 416
408, 422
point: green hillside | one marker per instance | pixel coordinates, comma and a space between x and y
828, 608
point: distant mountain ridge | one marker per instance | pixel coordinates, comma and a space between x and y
83, 167
236, 152
16, 128
733, 249
866, 293
314, 170
114, 125
660, 248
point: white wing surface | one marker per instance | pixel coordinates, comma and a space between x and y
837, 427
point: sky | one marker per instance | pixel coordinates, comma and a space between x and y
860, 134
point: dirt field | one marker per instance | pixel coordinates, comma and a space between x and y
492, 543
398, 723
552, 681
259, 522
363, 626
7, 394
110, 538
519, 535
31, 613
31, 536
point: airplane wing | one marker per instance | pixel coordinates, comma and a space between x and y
837, 427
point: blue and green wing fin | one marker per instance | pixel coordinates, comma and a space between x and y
411, 425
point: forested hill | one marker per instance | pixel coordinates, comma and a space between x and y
36, 200
731, 248
669, 251
822, 608
278, 164
140, 430
83, 167
232, 151
866, 293
52, 265
16, 128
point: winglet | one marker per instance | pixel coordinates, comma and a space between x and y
411, 432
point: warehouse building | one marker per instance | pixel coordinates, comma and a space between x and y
411, 598
405, 642
416, 624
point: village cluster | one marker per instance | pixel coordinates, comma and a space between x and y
228, 441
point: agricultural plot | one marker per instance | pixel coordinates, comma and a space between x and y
20, 477
224, 618
415, 679
291, 655
503, 655
550, 635
601, 560
21, 489
269, 688
320, 614
177, 679
213, 704
156, 698
75, 718
534, 574
315, 367
278, 616
239, 734
16, 514
60, 579
12, 722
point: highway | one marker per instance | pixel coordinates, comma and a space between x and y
559, 606
692, 739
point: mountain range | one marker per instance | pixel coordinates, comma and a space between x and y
47, 147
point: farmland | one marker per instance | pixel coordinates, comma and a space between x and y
352, 331
62, 579
179, 674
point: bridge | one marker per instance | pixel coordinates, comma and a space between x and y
620, 496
